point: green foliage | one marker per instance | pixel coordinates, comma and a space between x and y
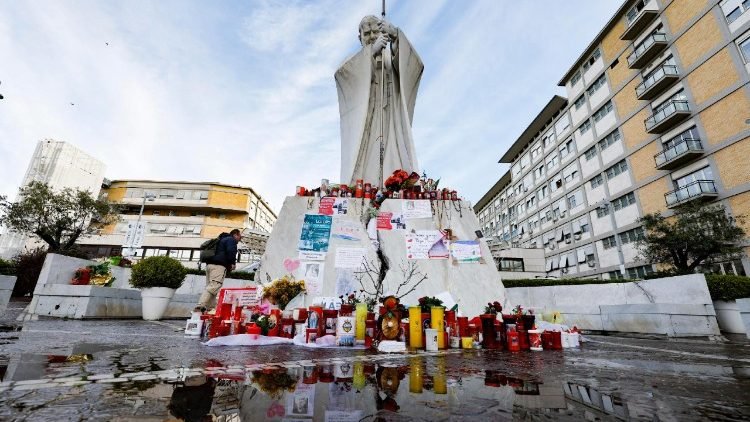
157, 271
7, 267
543, 282
28, 266
58, 218
696, 235
728, 287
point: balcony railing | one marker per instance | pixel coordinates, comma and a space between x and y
657, 81
647, 49
668, 115
679, 153
638, 22
705, 189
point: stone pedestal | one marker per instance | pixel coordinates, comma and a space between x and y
470, 285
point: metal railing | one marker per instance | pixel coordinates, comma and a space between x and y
678, 149
690, 191
655, 76
666, 110
645, 45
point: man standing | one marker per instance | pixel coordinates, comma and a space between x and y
377, 89
218, 266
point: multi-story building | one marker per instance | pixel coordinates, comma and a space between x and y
659, 115
179, 216
60, 165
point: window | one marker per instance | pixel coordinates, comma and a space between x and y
556, 182
549, 139
609, 242
566, 148
640, 272
631, 235
744, 47
703, 174
539, 172
172, 213
552, 161
511, 264
570, 173
585, 126
580, 101
134, 193
590, 62
688, 135
562, 124
156, 212
602, 112
590, 153
623, 201
584, 225
635, 10
530, 202
617, 274
733, 9
525, 161
609, 140
167, 193
598, 83
575, 200
678, 96
542, 192
536, 150
575, 78
602, 210
597, 181
617, 169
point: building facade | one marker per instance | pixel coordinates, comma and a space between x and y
60, 165
659, 114
179, 216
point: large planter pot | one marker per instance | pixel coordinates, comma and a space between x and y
155, 301
728, 317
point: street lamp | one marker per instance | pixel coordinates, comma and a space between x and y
130, 247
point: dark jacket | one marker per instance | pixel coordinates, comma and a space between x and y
226, 252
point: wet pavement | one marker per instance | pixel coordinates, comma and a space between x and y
135, 370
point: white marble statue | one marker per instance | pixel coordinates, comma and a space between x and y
359, 82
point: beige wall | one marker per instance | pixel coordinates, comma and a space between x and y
733, 164
652, 196
642, 162
715, 75
698, 40
680, 12
726, 117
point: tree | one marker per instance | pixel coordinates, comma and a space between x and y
696, 235
58, 218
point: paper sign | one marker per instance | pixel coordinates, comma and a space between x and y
420, 208
330, 205
426, 244
245, 296
312, 256
349, 257
328, 302
391, 221
466, 251
343, 415
345, 282
312, 273
316, 233
347, 230
302, 401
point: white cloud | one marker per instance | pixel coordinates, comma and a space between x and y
244, 94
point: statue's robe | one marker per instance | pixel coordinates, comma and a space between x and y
358, 82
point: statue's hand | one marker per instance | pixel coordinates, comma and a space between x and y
379, 44
387, 28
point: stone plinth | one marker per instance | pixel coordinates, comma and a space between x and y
471, 285
7, 283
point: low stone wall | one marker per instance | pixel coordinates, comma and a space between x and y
674, 306
743, 305
7, 282
54, 296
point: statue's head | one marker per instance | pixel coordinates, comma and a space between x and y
369, 30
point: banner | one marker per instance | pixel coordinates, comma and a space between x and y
391, 221
330, 205
316, 233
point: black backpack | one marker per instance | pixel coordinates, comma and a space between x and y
209, 247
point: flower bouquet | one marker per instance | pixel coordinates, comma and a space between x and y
281, 291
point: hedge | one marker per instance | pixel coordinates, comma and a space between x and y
7, 267
721, 287
728, 287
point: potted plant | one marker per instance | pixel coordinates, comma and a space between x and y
158, 277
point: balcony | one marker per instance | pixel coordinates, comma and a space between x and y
638, 23
675, 156
660, 79
671, 113
647, 50
700, 189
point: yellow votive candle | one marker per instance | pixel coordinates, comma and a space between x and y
439, 380
415, 327
437, 313
467, 342
360, 315
415, 375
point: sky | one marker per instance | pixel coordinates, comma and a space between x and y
242, 92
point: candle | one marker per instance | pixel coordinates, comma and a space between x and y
467, 342
436, 318
415, 375
439, 380
415, 327
361, 317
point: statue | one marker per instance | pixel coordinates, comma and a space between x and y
372, 117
